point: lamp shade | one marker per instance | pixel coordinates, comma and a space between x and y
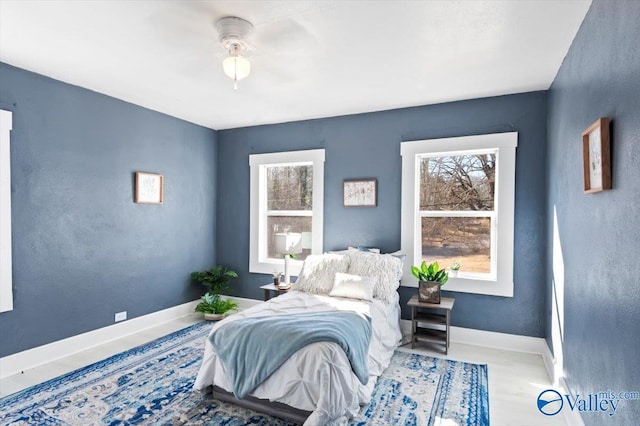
236, 67
307, 241
288, 243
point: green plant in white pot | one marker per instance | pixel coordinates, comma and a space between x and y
214, 307
454, 268
431, 278
216, 279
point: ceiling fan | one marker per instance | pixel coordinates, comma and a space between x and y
232, 33
281, 49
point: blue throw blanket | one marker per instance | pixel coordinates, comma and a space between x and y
253, 348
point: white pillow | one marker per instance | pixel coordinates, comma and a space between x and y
386, 268
353, 287
400, 255
319, 271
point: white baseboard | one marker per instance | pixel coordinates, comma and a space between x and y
572, 417
244, 303
31, 358
550, 364
491, 339
15, 363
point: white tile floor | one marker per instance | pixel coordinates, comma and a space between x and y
515, 379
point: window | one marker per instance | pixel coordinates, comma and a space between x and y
457, 210
457, 204
287, 195
6, 291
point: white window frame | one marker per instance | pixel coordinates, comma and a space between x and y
504, 144
6, 285
259, 262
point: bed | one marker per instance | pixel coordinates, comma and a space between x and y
318, 381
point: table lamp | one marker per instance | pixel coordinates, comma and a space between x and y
287, 244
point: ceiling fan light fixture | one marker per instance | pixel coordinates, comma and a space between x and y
236, 68
233, 32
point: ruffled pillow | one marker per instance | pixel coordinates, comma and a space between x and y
319, 271
353, 287
387, 269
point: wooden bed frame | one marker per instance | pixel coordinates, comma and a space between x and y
275, 409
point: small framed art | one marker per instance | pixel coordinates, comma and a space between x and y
360, 192
596, 156
149, 188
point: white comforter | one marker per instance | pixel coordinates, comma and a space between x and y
318, 377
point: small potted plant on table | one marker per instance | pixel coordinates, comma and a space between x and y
211, 304
431, 278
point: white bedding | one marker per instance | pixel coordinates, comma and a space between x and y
318, 377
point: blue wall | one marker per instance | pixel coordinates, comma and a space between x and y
368, 145
599, 233
82, 250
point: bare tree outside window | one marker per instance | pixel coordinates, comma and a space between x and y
289, 203
457, 209
290, 187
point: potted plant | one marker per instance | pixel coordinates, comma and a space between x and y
454, 268
216, 280
431, 278
214, 307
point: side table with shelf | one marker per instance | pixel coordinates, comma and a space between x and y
428, 323
270, 289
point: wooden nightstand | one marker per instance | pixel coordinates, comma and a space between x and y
269, 289
428, 325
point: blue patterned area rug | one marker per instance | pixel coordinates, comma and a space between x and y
151, 384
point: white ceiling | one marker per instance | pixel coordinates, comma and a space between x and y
310, 59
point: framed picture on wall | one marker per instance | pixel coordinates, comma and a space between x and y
360, 192
149, 188
596, 157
